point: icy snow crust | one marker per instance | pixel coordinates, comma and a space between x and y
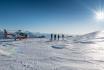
38, 54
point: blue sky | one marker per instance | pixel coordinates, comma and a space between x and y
51, 16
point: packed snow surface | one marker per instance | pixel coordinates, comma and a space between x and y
38, 54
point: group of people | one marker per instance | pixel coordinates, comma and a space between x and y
57, 37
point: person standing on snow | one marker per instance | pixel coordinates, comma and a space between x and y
62, 36
54, 36
58, 37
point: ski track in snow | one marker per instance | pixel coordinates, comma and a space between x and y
37, 54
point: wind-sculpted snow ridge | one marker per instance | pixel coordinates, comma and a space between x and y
38, 54
90, 38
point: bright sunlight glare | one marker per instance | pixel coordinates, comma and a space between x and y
100, 15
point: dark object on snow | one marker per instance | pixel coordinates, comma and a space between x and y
54, 36
58, 37
58, 46
40, 36
51, 37
63, 37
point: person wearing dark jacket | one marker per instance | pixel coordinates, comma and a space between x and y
58, 37
54, 36
62, 36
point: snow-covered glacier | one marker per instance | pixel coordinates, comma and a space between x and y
83, 52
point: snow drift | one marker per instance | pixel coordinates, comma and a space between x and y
90, 37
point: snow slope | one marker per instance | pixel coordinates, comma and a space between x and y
38, 54
93, 37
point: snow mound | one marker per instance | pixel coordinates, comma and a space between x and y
100, 34
97, 36
94, 35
